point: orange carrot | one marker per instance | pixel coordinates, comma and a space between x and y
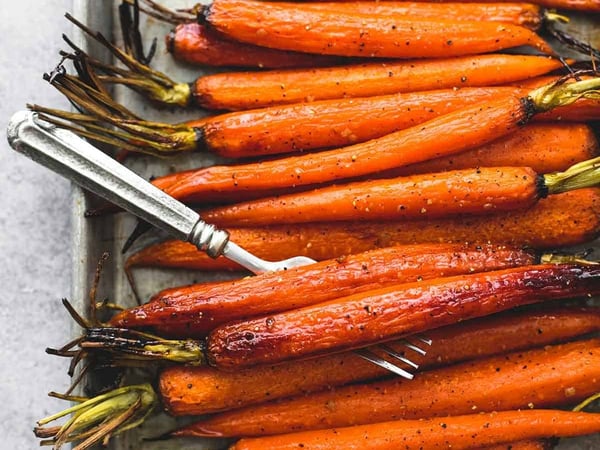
581, 5
561, 220
329, 123
195, 310
543, 147
523, 445
248, 90
199, 390
428, 196
195, 43
524, 14
538, 378
289, 26
457, 432
375, 316
451, 133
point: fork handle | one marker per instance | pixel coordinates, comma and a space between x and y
67, 154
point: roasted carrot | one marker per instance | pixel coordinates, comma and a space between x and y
236, 91
199, 390
543, 147
289, 26
561, 220
581, 5
443, 194
375, 316
458, 432
329, 123
539, 378
448, 134
195, 43
524, 14
195, 310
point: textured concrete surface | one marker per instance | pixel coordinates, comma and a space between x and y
34, 230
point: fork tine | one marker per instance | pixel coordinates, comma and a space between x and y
413, 347
394, 354
373, 358
424, 340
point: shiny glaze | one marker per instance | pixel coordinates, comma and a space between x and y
375, 316
201, 390
195, 310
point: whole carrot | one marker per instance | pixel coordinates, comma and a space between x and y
581, 5
195, 43
524, 14
195, 310
329, 123
451, 133
292, 27
512, 381
560, 220
375, 316
468, 191
460, 432
199, 390
543, 147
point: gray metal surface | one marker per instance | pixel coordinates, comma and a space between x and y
92, 237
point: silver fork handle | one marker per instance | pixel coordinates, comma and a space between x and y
69, 155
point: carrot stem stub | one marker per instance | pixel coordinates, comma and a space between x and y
375, 316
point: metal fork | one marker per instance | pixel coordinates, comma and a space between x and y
72, 157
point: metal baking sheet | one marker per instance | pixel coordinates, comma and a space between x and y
92, 237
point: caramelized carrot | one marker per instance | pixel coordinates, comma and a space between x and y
329, 123
248, 90
195, 310
524, 14
451, 133
457, 432
195, 43
200, 390
540, 378
581, 5
469, 191
560, 220
289, 26
543, 147
375, 316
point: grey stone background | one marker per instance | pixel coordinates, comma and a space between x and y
35, 269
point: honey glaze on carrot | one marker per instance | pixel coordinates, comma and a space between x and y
375, 316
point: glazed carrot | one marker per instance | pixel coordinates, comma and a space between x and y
329, 123
540, 378
451, 133
581, 5
289, 26
195, 43
524, 14
375, 316
468, 191
195, 310
543, 147
200, 390
457, 432
243, 90
561, 220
